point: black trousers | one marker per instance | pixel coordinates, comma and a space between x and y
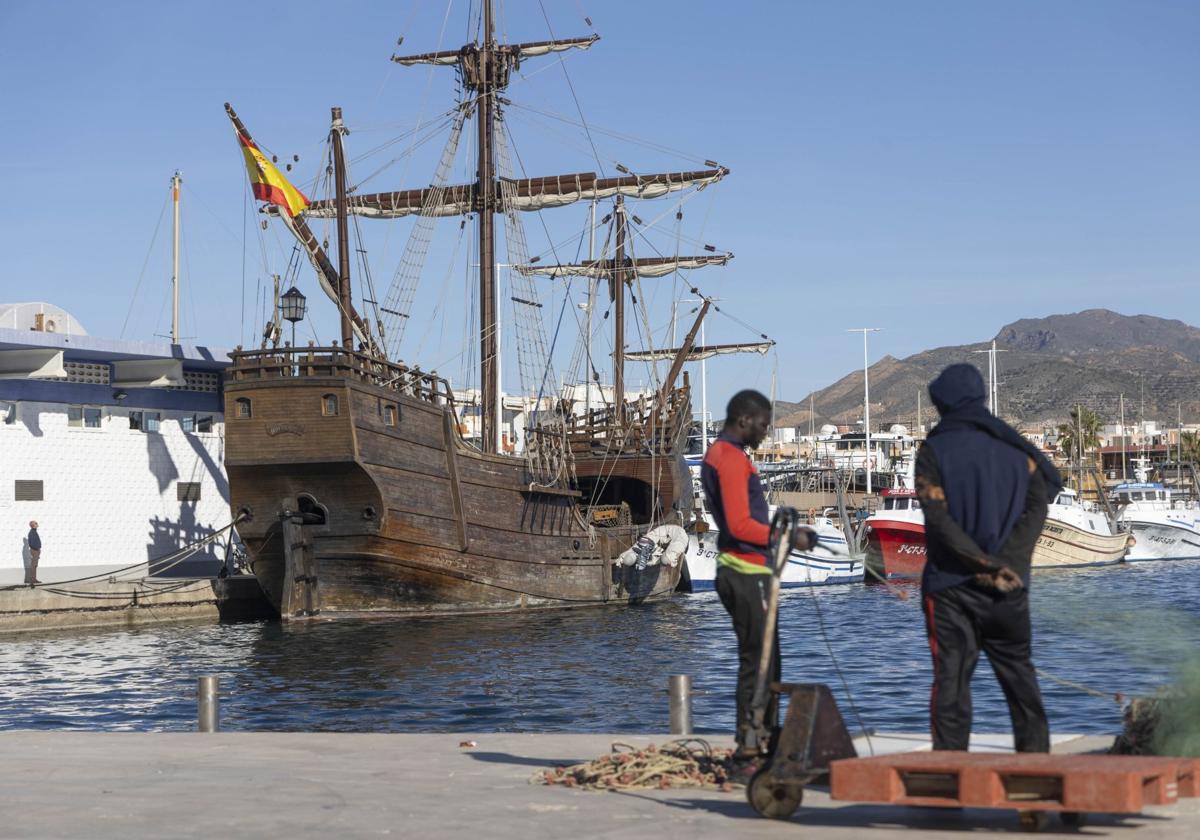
960, 622
745, 599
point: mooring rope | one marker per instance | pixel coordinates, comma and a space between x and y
173, 559
686, 763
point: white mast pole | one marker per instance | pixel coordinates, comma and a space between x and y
703, 394
1124, 477
866, 401
176, 180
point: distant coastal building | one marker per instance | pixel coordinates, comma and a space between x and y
115, 448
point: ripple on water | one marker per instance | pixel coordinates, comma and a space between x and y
596, 670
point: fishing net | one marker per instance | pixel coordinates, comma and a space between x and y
687, 763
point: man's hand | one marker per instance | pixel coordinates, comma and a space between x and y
804, 539
1003, 580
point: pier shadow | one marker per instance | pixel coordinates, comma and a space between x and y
524, 761
892, 817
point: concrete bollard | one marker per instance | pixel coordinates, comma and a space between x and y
679, 689
208, 704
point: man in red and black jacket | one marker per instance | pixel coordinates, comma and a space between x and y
734, 496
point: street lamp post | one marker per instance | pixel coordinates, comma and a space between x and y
293, 306
866, 400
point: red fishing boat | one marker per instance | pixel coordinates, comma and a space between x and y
896, 536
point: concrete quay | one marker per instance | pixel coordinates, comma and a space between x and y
305, 785
115, 602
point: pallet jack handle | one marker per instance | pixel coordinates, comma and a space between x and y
783, 527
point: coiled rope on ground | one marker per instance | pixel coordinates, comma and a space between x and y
686, 763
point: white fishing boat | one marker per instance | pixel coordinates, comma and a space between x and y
1163, 528
1076, 536
828, 564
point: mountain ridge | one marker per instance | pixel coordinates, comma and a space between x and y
1047, 366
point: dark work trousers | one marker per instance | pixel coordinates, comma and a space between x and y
745, 598
960, 621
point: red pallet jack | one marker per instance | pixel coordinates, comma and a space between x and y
813, 743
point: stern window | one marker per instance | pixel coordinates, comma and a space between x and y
329, 405
243, 409
389, 415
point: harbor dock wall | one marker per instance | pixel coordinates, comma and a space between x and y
130, 603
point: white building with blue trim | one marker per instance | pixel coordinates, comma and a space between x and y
115, 448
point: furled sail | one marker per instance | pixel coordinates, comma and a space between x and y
514, 52
524, 193
698, 353
644, 266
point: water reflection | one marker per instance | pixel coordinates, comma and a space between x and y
598, 670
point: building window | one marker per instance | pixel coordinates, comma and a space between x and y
188, 491
83, 417
145, 421
204, 424
389, 415
188, 423
329, 405
243, 409
27, 490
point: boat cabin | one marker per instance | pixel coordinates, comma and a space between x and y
1144, 494
900, 500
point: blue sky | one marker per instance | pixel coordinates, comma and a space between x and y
938, 169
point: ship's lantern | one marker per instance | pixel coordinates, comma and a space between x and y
293, 305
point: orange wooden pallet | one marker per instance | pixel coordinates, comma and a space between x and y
1075, 784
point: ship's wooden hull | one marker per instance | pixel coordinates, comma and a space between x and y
403, 516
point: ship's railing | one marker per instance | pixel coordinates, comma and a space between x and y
647, 423
312, 362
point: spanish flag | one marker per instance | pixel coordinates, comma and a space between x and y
267, 183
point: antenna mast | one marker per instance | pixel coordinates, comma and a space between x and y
176, 181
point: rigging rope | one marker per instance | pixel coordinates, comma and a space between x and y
145, 263
175, 558
398, 304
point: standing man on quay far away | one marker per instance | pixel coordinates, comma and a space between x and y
984, 490
35, 553
734, 496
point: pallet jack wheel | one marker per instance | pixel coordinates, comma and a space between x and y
773, 798
1074, 819
1033, 821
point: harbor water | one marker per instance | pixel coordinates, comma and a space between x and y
1121, 629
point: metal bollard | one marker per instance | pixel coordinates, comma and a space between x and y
679, 689
208, 704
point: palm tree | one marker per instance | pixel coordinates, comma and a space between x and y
1191, 446
1083, 428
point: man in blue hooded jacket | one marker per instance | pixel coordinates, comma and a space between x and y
984, 490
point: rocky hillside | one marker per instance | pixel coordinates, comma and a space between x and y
1049, 365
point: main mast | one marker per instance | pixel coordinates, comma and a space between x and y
485, 80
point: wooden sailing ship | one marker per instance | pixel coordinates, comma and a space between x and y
354, 484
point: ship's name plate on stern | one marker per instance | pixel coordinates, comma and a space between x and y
276, 429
